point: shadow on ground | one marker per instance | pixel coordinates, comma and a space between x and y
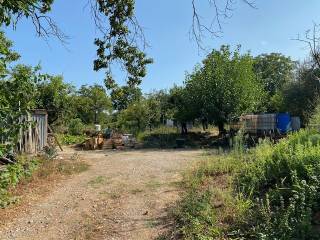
177, 140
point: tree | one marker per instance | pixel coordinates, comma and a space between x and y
312, 40
17, 91
275, 71
122, 97
122, 40
159, 107
222, 11
11, 11
92, 103
7, 55
54, 96
134, 117
182, 104
301, 96
224, 87
119, 42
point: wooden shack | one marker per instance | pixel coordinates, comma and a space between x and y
34, 138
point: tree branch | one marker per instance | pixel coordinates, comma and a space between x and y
312, 40
199, 30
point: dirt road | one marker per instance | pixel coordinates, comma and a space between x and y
123, 195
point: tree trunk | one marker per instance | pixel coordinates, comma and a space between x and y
95, 117
184, 129
221, 128
204, 124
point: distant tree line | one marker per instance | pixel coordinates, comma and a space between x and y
227, 84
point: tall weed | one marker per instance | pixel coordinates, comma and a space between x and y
284, 182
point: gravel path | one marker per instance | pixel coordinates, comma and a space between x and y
123, 195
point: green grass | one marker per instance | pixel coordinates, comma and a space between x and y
65, 167
209, 205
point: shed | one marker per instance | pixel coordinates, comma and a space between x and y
34, 138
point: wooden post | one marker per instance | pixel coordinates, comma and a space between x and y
55, 137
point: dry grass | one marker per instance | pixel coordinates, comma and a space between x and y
49, 174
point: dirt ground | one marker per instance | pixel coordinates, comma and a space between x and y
123, 195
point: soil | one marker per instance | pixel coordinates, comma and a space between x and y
123, 195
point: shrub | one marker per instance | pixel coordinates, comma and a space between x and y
269, 192
67, 139
284, 181
76, 127
12, 175
196, 217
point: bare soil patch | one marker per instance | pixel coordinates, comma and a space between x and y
123, 195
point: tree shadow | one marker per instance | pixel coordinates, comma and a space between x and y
176, 140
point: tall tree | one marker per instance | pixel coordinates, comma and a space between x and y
302, 95
122, 97
91, 103
17, 93
122, 42
275, 71
54, 95
134, 118
224, 87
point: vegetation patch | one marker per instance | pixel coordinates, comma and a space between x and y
12, 175
153, 184
115, 195
16, 178
96, 182
166, 137
136, 191
67, 139
271, 192
152, 223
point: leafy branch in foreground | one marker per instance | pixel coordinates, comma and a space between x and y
120, 42
11, 11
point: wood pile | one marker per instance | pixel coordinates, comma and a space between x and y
120, 141
93, 143
117, 141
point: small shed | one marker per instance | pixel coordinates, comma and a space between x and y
34, 138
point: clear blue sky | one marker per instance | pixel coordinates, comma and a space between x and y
270, 28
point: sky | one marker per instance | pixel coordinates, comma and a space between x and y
268, 28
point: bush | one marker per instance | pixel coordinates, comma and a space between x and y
196, 217
12, 175
76, 127
67, 139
